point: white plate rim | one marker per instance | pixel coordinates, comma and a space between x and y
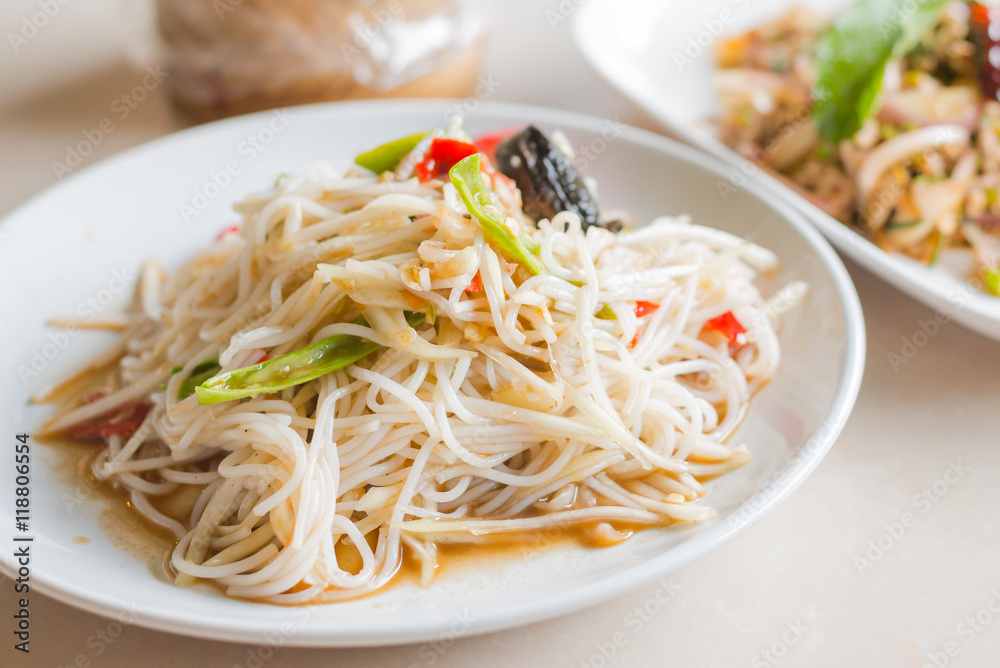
421, 629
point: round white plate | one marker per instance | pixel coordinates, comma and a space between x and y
659, 54
71, 248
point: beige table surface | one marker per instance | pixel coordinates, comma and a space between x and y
830, 578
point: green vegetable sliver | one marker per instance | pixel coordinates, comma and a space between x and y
388, 156
607, 313
294, 368
199, 375
892, 226
286, 371
991, 277
517, 247
468, 181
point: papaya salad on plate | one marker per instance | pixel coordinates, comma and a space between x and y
447, 342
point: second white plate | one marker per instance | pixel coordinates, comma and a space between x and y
660, 54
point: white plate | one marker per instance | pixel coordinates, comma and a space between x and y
64, 247
660, 55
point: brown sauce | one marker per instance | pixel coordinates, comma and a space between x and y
118, 521
151, 544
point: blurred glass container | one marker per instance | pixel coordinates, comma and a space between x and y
229, 57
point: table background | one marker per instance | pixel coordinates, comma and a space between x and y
830, 578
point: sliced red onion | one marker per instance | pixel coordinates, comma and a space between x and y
988, 221
955, 105
985, 246
792, 145
902, 148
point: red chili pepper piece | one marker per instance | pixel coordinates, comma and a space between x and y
985, 28
499, 177
645, 308
488, 143
476, 285
232, 229
442, 155
642, 308
730, 327
124, 422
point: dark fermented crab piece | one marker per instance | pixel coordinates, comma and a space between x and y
548, 181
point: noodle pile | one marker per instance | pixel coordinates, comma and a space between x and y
514, 408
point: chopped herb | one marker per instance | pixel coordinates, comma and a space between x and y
852, 56
901, 225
